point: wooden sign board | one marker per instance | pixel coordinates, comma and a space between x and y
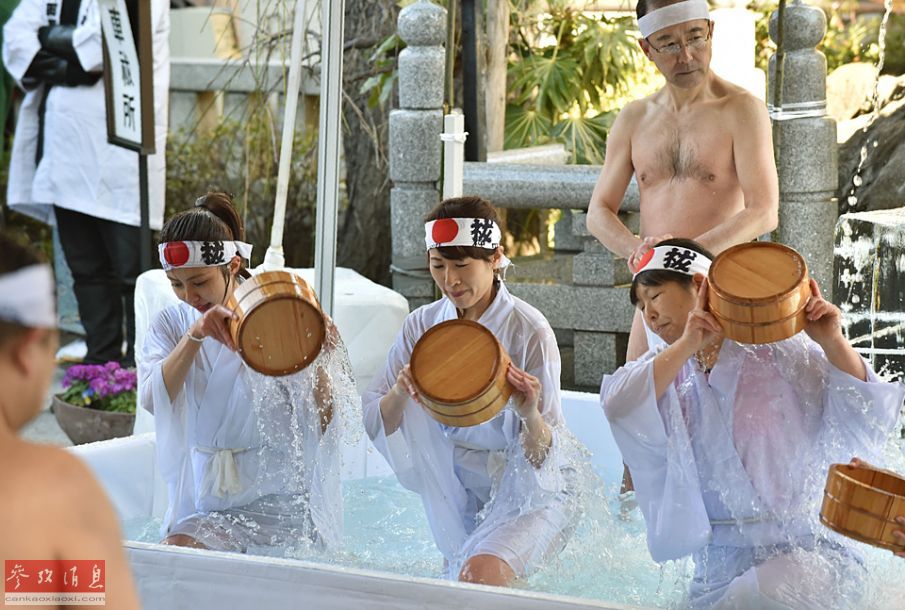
128, 73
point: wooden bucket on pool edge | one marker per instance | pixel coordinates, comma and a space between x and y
280, 327
758, 292
862, 503
459, 369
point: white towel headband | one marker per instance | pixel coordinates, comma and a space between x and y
473, 232
27, 297
185, 254
680, 12
674, 258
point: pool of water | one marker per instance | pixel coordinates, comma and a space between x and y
606, 559
386, 529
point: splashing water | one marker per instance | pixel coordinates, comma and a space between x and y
857, 180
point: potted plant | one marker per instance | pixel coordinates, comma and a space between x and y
98, 402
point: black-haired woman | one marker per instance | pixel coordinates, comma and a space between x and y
501, 496
232, 468
729, 444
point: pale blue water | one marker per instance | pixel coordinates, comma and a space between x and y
386, 529
606, 559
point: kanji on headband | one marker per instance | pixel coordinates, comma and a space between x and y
473, 232
674, 258
184, 254
673, 14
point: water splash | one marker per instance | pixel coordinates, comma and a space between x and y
857, 180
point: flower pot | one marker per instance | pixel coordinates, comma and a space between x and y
84, 425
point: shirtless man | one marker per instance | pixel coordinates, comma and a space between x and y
700, 147
53, 508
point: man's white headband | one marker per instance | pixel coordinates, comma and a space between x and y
680, 12
474, 232
185, 254
674, 258
27, 297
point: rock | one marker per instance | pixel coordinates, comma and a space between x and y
849, 89
881, 186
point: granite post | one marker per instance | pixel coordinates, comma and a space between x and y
415, 145
806, 141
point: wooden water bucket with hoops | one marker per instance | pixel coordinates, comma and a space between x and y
459, 369
758, 292
279, 326
862, 503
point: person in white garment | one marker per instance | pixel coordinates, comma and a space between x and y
729, 444
251, 462
64, 172
53, 508
500, 497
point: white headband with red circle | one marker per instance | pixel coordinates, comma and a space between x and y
27, 297
186, 254
471, 232
673, 258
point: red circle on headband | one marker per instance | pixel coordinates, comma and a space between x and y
645, 259
176, 253
444, 230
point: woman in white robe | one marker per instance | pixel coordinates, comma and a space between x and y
729, 445
251, 463
501, 497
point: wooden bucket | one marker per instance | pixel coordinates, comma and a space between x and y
279, 328
862, 503
758, 292
459, 369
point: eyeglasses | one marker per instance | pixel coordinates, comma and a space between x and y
695, 43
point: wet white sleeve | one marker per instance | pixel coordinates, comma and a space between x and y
859, 416
394, 447
655, 446
163, 334
543, 361
20, 37
160, 340
418, 452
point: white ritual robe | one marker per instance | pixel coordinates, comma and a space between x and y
480, 493
79, 170
221, 446
731, 468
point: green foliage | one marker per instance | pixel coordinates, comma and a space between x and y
241, 158
848, 41
848, 38
380, 84
27, 231
569, 73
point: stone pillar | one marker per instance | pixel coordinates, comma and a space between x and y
599, 351
415, 146
806, 139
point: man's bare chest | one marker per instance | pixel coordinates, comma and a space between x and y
668, 150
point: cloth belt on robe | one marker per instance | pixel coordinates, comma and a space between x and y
223, 475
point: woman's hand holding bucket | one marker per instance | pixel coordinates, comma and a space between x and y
527, 392
824, 326
702, 330
537, 437
214, 323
